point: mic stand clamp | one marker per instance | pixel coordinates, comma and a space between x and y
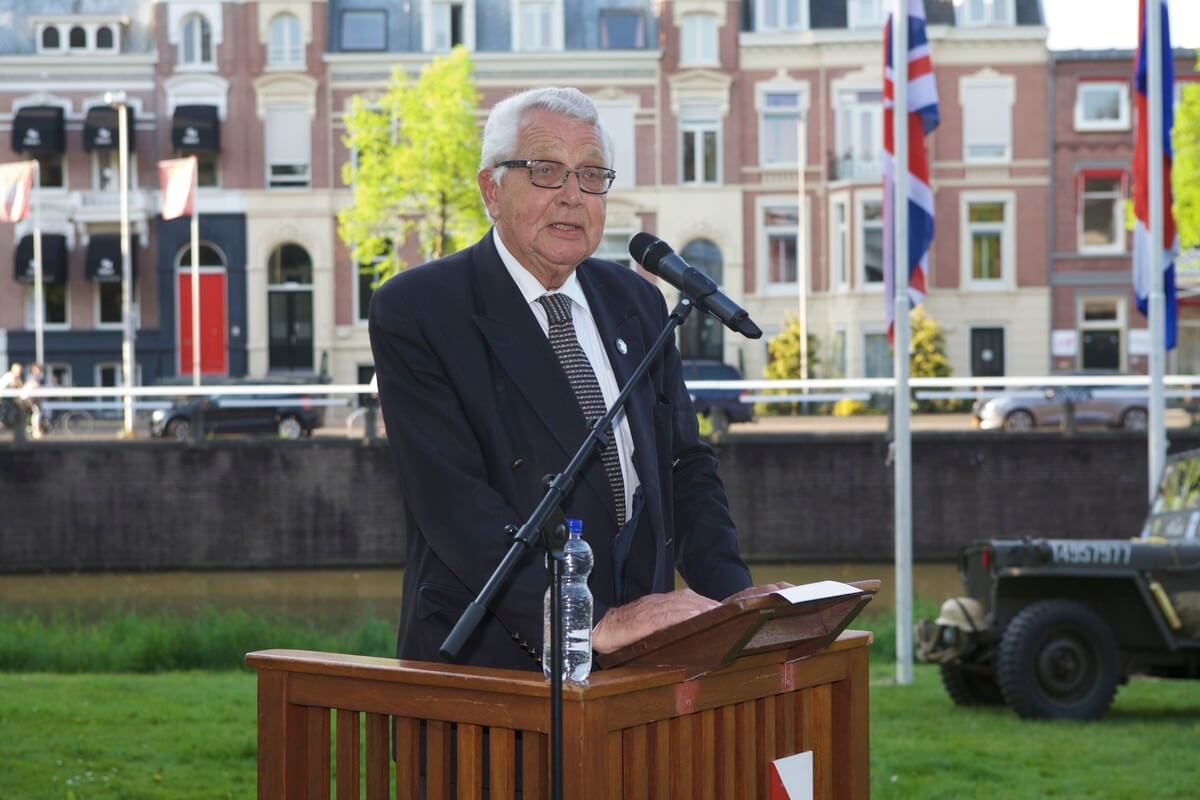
546, 529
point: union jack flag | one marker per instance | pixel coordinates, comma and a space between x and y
922, 120
1143, 244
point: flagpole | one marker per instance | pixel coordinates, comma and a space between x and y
195, 272
902, 441
802, 248
39, 290
1157, 430
117, 99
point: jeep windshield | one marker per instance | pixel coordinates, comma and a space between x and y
1176, 510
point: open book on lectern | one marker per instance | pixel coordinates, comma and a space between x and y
800, 619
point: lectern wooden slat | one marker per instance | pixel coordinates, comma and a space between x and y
631, 731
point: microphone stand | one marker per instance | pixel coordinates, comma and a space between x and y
546, 528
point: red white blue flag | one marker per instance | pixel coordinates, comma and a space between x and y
1143, 243
922, 119
16, 187
177, 179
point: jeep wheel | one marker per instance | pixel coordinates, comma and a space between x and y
968, 688
1058, 660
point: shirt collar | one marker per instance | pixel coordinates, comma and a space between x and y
531, 288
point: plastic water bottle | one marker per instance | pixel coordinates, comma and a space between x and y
576, 611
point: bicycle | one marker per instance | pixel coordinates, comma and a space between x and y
356, 424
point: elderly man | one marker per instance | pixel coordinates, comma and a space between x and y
492, 361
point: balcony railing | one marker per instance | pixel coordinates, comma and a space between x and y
855, 169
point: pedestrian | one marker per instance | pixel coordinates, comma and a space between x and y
34, 405
8, 406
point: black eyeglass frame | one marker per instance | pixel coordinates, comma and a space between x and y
528, 164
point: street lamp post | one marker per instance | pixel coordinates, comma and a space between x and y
117, 100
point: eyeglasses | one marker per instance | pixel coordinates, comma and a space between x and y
553, 175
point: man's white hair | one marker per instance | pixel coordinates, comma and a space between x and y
503, 128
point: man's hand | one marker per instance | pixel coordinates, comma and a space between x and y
626, 624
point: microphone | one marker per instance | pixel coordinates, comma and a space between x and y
657, 257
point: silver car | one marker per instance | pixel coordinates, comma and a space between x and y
1027, 409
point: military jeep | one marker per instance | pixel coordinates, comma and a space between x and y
1051, 627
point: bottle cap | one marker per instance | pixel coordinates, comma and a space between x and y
574, 527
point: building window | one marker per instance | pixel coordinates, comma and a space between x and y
105, 39
622, 29
368, 281
1102, 106
208, 170
781, 15
870, 238
987, 241
106, 170
111, 375
51, 172
617, 117
60, 374
837, 362
865, 13
77, 39
614, 246
1101, 215
286, 46
700, 131
197, 40
877, 356
447, 26
698, 40
55, 309
537, 25
108, 304
779, 128
984, 12
288, 147
780, 224
51, 38
1100, 324
859, 129
987, 121
364, 30
839, 244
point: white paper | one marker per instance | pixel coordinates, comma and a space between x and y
795, 773
817, 591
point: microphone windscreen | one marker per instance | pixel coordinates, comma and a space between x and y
640, 246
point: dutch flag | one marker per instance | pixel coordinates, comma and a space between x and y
922, 120
1142, 242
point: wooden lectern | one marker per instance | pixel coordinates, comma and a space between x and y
632, 731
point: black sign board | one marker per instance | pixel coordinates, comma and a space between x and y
38, 129
54, 259
104, 257
100, 128
196, 129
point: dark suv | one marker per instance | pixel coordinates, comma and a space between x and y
1051, 627
285, 416
727, 402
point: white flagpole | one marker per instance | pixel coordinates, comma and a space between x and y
1157, 433
39, 291
195, 272
127, 360
802, 248
902, 442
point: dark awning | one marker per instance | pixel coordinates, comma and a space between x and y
39, 129
196, 129
104, 257
100, 128
54, 259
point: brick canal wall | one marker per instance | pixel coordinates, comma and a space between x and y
330, 503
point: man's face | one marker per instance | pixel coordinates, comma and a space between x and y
550, 231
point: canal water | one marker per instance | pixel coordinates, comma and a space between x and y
338, 597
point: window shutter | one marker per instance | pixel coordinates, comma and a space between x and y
288, 136
987, 116
617, 119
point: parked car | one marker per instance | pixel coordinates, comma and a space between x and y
1027, 409
727, 401
1051, 627
286, 416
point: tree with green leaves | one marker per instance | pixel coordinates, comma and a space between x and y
783, 354
928, 356
1185, 172
416, 156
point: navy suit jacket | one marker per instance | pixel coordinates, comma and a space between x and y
478, 411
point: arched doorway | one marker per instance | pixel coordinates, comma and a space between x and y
214, 315
290, 310
702, 336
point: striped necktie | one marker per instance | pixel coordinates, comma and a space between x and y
585, 386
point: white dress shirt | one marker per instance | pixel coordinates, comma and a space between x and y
589, 340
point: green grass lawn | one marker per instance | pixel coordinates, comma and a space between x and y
192, 735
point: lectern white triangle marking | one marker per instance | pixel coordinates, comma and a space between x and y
792, 777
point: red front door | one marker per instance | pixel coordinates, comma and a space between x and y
214, 357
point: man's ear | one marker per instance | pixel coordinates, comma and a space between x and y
488, 189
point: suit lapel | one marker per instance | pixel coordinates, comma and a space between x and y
524, 352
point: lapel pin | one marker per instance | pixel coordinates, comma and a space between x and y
622, 348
